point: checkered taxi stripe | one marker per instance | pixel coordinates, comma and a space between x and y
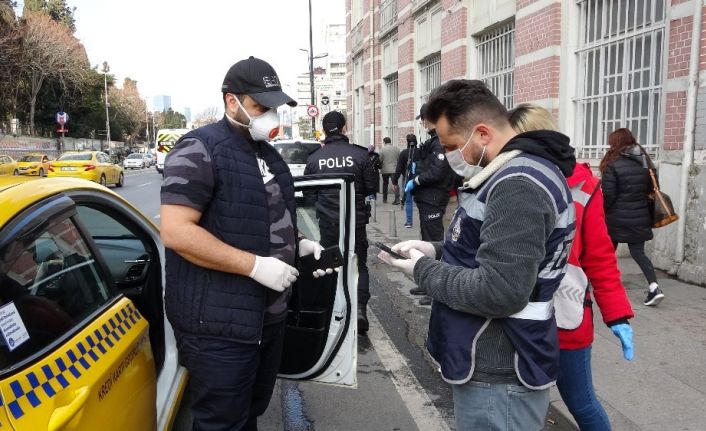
29, 390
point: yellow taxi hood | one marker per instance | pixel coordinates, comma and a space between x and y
17, 193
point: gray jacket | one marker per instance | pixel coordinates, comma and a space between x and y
388, 156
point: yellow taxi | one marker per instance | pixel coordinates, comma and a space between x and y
33, 164
90, 165
8, 166
84, 343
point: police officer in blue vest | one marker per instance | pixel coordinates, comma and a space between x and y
339, 156
492, 328
228, 223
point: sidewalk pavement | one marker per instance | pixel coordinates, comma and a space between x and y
663, 388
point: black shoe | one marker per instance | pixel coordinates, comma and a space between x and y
425, 300
396, 203
417, 291
654, 297
363, 324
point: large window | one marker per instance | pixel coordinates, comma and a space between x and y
496, 61
430, 75
620, 72
391, 93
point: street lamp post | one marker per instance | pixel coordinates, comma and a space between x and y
311, 70
106, 69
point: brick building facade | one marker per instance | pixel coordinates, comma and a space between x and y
595, 64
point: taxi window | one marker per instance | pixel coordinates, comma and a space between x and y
49, 283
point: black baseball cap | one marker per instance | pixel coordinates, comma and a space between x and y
422, 111
257, 79
333, 122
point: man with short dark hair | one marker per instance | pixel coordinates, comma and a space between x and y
388, 158
492, 328
339, 156
228, 223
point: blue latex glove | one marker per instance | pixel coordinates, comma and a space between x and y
410, 186
414, 168
624, 332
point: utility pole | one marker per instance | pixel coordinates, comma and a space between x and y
311, 70
106, 69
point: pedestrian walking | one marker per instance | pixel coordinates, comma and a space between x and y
339, 156
626, 186
375, 165
389, 154
228, 223
492, 329
404, 170
592, 274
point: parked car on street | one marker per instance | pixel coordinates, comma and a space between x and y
34, 164
81, 288
150, 159
295, 153
134, 161
90, 165
8, 166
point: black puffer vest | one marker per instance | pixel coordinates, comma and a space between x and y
212, 303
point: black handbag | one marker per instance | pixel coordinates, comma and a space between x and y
660, 204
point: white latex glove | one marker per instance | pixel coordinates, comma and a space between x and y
307, 247
406, 265
273, 273
405, 246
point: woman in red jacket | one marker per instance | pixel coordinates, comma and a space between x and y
592, 264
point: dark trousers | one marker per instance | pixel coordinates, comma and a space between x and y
431, 220
329, 237
231, 383
637, 252
386, 178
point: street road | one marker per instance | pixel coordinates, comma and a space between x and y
398, 389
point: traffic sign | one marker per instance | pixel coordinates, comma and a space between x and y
324, 100
62, 118
312, 111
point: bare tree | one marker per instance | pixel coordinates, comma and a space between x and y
50, 51
209, 115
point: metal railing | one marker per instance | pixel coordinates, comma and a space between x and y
388, 15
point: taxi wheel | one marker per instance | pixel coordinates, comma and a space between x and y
121, 179
102, 181
16, 172
42, 173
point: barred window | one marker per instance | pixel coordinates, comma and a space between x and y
496, 61
430, 75
391, 93
620, 72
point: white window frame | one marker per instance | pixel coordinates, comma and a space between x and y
429, 75
621, 78
390, 111
495, 50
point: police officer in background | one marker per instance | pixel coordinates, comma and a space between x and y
430, 184
339, 156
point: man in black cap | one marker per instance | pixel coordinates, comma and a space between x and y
338, 155
228, 223
430, 186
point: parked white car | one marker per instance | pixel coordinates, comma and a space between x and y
134, 161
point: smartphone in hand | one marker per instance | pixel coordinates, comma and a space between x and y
389, 251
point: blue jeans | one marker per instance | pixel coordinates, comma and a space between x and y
408, 206
499, 407
575, 384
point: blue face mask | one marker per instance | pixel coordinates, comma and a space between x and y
460, 165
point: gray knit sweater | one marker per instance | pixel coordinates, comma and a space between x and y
519, 218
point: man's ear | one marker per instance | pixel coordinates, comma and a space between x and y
485, 133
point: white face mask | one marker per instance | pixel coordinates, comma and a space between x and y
460, 165
263, 127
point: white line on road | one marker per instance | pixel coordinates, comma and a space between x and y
420, 406
145, 184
